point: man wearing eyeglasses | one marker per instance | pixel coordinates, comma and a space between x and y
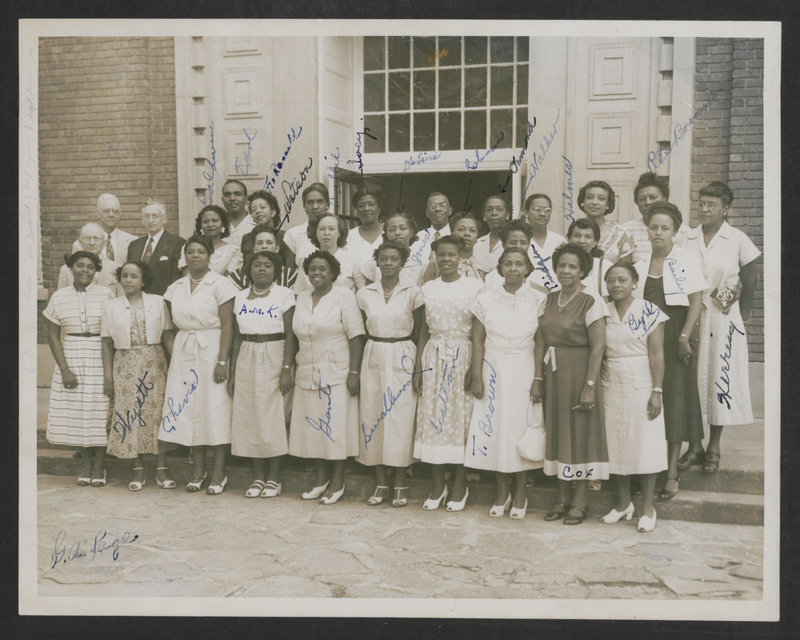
159, 249
93, 240
115, 240
438, 212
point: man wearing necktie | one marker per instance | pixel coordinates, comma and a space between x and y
159, 249
438, 211
116, 241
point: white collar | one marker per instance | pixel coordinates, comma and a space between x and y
155, 238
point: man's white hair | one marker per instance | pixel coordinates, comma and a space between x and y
107, 196
92, 226
152, 201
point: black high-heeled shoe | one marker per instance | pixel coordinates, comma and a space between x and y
571, 520
555, 514
668, 495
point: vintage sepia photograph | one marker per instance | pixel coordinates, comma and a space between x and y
408, 319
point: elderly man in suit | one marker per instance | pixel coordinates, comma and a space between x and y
115, 241
93, 239
159, 249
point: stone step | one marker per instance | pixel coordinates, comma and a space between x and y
689, 505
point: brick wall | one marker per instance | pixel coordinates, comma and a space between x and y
728, 144
106, 124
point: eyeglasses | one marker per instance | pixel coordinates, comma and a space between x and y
540, 209
151, 216
708, 206
437, 207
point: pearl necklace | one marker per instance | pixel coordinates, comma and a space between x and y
198, 281
260, 292
570, 298
388, 294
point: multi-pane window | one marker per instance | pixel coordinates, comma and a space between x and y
445, 93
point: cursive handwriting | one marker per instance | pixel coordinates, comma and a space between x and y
479, 449
360, 161
536, 160
444, 393
247, 153
541, 264
209, 177
656, 158
333, 174
323, 424
569, 212
294, 189
135, 414
670, 262
61, 554
276, 167
724, 395
416, 257
172, 416
640, 326
390, 398
486, 426
577, 474
480, 158
422, 158
516, 161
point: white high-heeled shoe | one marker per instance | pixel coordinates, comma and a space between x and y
432, 505
498, 511
615, 516
646, 525
334, 496
519, 514
316, 492
458, 506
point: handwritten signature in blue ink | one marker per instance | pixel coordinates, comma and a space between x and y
132, 415
276, 167
422, 158
360, 161
537, 159
540, 264
516, 161
640, 326
443, 394
578, 474
323, 424
480, 158
724, 395
482, 450
486, 426
294, 188
670, 262
173, 413
333, 174
258, 311
569, 212
60, 553
209, 177
390, 399
656, 158
416, 257
247, 152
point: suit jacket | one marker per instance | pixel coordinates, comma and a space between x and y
123, 240
164, 261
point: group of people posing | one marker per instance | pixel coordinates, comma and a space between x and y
391, 345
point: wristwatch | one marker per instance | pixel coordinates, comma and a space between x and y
221, 363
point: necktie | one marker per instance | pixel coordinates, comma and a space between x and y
436, 236
148, 250
109, 248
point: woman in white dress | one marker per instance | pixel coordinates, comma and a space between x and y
197, 407
79, 410
631, 377
728, 258
496, 213
443, 363
260, 371
506, 321
330, 339
368, 236
399, 227
329, 233
212, 223
393, 314
586, 234
465, 226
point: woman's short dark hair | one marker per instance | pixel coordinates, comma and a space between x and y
651, 180
668, 209
147, 276
239, 182
333, 263
311, 232
585, 223
275, 258
412, 224
249, 239
203, 241
719, 190
271, 200
529, 200
72, 258
458, 242
515, 225
624, 265
392, 244
612, 198
455, 219
316, 186
503, 199
226, 225
584, 259
368, 190
522, 252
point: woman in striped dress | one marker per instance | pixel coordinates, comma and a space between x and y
79, 409
260, 371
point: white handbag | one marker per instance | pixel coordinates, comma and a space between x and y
531, 445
